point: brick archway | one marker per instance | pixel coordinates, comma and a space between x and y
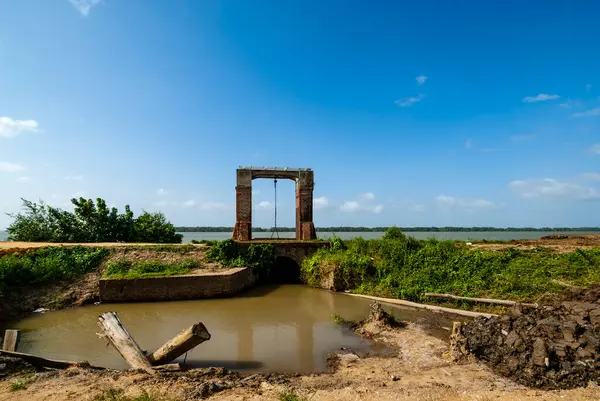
304, 178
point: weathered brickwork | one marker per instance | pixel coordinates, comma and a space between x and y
304, 178
218, 284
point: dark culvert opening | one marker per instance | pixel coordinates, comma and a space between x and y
285, 271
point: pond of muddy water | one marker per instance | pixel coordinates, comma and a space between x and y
277, 329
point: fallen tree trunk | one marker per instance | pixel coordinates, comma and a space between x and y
43, 362
180, 344
423, 306
481, 300
123, 342
11, 340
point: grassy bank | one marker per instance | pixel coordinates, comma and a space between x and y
48, 265
403, 267
150, 268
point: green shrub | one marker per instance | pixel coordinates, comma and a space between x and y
89, 222
261, 257
46, 265
400, 266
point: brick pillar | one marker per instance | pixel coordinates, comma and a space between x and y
243, 206
305, 228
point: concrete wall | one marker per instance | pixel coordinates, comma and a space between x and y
218, 284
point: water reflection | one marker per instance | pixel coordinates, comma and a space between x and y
284, 328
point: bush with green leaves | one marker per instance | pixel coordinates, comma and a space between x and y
402, 267
148, 268
260, 257
89, 222
47, 265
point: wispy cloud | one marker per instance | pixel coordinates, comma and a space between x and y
350, 206
378, 209
8, 167
189, 203
84, 6
409, 101
10, 128
23, 179
417, 208
468, 144
320, 202
264, 205
540, 98
73, 178
367, 196
595, 149
588, 113
552, 188
591, 176
162, 192
421, 79
471, 204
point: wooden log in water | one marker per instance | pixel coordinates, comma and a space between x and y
180, 344
43, 362
481, 300
11, 340
123, 342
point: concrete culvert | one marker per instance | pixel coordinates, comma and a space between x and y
285, 271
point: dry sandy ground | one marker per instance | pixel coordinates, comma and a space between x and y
420, 370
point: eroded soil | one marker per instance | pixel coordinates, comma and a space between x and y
559, 243
420, 368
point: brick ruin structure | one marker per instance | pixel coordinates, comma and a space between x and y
304, 178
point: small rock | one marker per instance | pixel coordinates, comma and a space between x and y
41, 310
395, 378
348, 359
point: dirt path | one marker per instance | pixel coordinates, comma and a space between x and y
420, 369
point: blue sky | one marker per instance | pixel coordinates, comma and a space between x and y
410, 113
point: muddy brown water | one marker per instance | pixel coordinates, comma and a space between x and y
276, 329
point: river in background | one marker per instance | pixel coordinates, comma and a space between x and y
282, 328
454, 235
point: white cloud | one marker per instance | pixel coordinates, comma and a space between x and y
8, 167
552, 188
378, 209
467, 204
409, 101
190, 203
84, 6
540, 98
10, 128
162, 191
588, 113
591, 176
264, 205
421, 79
73, 177
595, 148
255, 192
368, 196
350, 206
23, 179
320, 202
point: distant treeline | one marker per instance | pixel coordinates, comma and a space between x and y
384, 229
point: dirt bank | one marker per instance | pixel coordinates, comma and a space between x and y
420, 368
553, 347
559, 243
22, 301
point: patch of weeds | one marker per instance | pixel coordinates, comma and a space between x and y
153, 268
21, 384
289, 396
337, 319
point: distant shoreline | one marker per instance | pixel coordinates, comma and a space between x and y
184, 229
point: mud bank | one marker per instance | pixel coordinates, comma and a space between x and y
420, 368
552, 347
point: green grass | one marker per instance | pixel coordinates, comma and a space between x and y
48, 265
337, 319
117, 395
21, 384
402, 267
129, 269
289, 396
